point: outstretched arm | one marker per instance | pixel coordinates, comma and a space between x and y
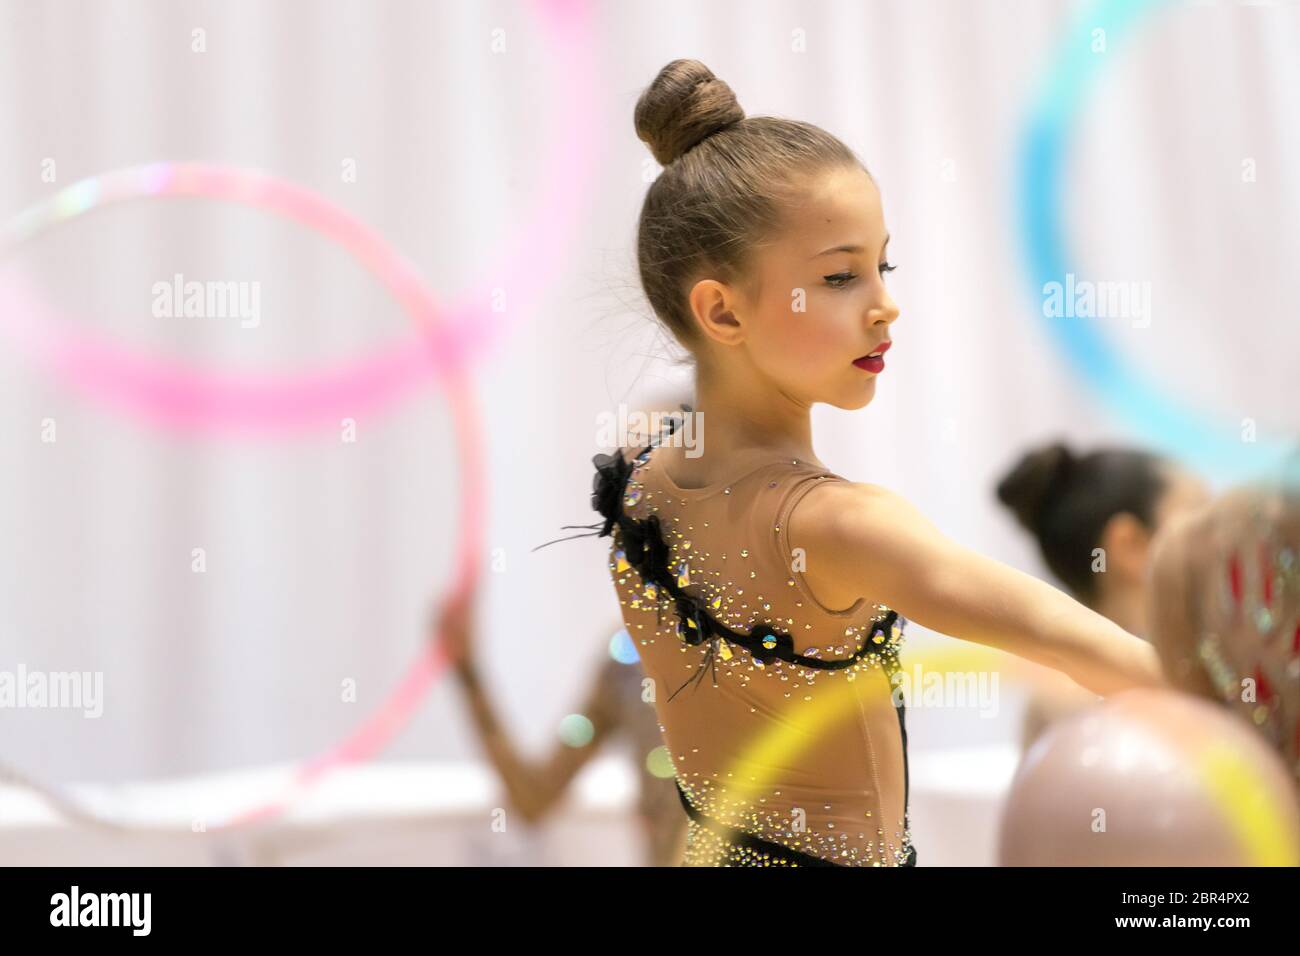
861, 539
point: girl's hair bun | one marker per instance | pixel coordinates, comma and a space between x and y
1032, 483
684, 105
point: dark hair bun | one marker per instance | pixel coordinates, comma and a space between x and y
685, 104
1029, 486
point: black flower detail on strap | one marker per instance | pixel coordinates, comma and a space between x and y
612, 473
773, 645
607, 488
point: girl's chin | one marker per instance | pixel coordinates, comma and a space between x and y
859, 397
856, 402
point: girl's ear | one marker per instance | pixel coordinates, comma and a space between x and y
1127, 544
713, 309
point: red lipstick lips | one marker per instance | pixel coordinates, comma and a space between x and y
875, 362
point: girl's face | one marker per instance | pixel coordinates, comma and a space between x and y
818, 302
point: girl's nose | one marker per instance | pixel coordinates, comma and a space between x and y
886, 313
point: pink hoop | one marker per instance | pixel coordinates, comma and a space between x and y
191, 399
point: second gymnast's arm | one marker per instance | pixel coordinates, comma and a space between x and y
860, 539
533, 787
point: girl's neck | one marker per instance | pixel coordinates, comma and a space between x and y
743, 421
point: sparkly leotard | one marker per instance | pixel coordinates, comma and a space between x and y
793, 752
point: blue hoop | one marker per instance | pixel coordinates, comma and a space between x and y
1162, 421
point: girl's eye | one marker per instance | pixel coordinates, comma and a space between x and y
840, 279
886, 267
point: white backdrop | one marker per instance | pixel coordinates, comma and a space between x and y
322, 556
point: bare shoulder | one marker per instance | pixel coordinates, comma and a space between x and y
845, 513
830, 524
855, 535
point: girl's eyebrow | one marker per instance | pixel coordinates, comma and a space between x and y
849, 248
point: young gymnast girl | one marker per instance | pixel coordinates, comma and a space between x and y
762, 249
